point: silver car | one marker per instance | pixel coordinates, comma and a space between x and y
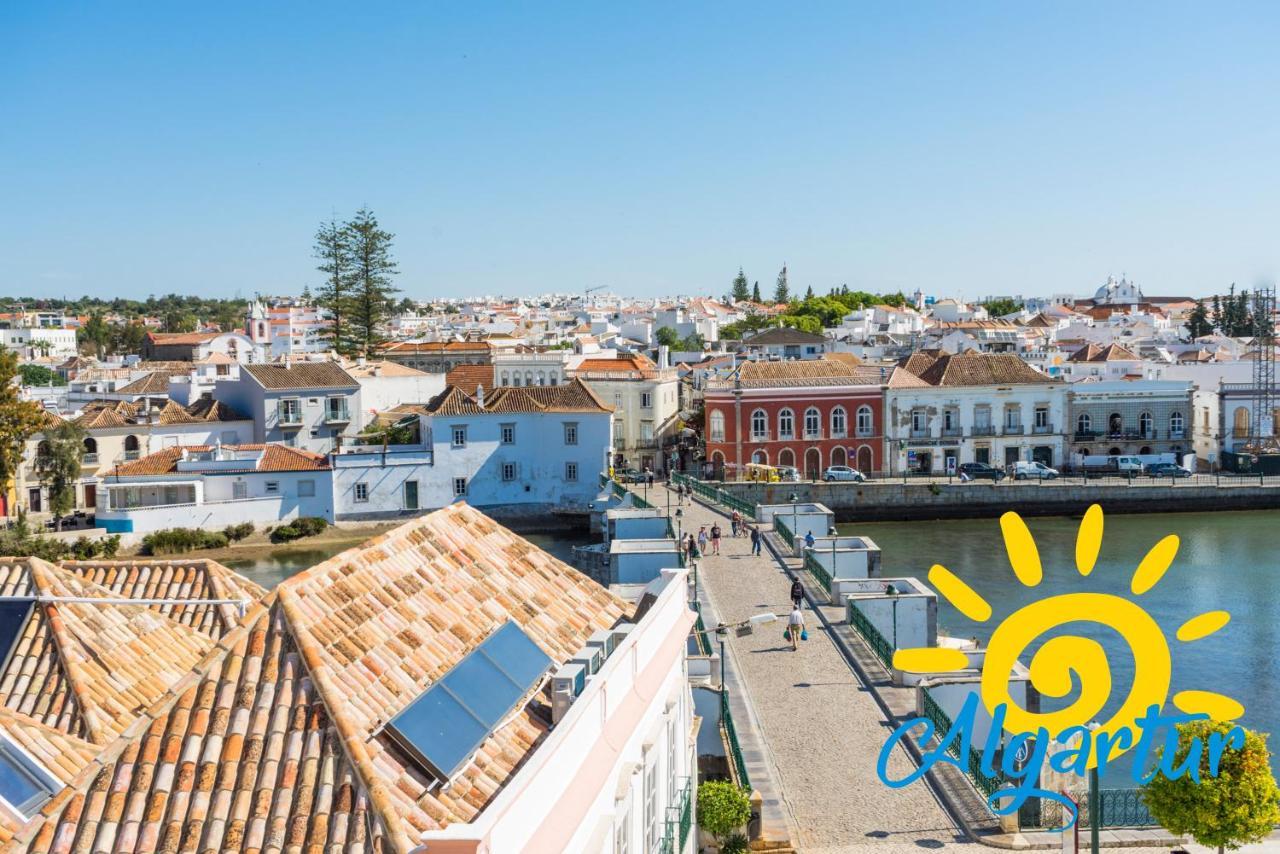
842, 473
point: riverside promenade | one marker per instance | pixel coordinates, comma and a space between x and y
821, 728
817, 728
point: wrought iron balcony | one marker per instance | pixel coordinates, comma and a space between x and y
984, 429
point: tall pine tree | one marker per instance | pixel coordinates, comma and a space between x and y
741, 290
333, 250
1198, 321
781, 291
372, 269
755, 292
1217, 313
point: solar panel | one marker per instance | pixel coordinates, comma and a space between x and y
13, 621
444, 726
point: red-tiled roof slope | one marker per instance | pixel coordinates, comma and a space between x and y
468, 377
573, 396
165, 578
971, 369
300, 375
377, 625
275, 458
239, 756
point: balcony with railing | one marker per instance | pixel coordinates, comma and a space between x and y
1013, 430
88, 459
289, 413
865, 432
952, 431
759, 435
839, 434
336, 411
1042, 429
812, 435
984, 429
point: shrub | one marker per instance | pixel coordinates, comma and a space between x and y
180, 540
86, 549
723, 808
285, 534
303, 526
735, 843
235, 533
310, 525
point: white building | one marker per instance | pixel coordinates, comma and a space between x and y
288, 328
40, 342
385, 385
943, 410
645, 402
212, 486
528, 449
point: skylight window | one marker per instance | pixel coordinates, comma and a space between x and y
447, 723
24, 785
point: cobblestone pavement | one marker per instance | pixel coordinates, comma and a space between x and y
822, 728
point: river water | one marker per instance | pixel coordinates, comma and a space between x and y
1226, 561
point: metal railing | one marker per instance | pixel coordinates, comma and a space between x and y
983, 430
878, 643
739, 764
1013, 430
817, 570
973, 762
715, 494
679, 819
700, 630
783, 531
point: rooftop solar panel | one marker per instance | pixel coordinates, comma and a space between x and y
444, 725
13, 621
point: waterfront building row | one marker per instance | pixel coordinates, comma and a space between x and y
932, 412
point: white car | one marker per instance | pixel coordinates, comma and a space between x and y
1022, 470
842, 473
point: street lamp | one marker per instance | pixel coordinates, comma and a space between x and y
744, 627
892, 591
1094, 795
795, 509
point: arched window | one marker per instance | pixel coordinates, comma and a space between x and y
515, 380
90, 445
717, 425
864, 459
786, 457
786, 424
542, 378
839, 456
812, 423
761, 457
528, 377
43, 450
865, 427
555, 380
812, 463
506, 378
1146, 424
839, 423
1176, 425
759, 425
1115, 424
131, 447
1084, 423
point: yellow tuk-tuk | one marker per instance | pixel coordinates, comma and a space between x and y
761, 473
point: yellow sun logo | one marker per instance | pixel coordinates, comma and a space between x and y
1059, 657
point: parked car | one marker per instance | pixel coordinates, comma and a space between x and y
842, 473
788, 474
981, 471
1024, 470
1167, 470
634, 476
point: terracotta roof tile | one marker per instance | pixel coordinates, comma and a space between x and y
970, 369
379, 624
468, 377
275, 457
300, 375
180, 338
156, 382
573, 396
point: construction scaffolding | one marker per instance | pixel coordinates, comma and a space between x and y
1262, 434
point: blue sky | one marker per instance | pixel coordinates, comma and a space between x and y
653, 148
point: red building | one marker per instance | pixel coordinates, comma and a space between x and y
809, 414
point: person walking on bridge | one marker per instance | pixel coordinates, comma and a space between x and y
797, 593
795, 626
755, 540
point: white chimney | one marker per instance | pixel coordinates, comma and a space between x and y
664, 357
480, 395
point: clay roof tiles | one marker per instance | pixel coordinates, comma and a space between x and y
468, 377
156, 382
573, 396
275, 457
972, 369
300, 375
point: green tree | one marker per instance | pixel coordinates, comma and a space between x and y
782, 291
96, 334
755, 292
723, 808
692, 343
1237, 806
373, 268
808, 292
1198, 321
1217, 313
177, 320
1001, 307
58, 467
803, 322
740, 290
668, 337
19, 419
40, 375
333, 250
